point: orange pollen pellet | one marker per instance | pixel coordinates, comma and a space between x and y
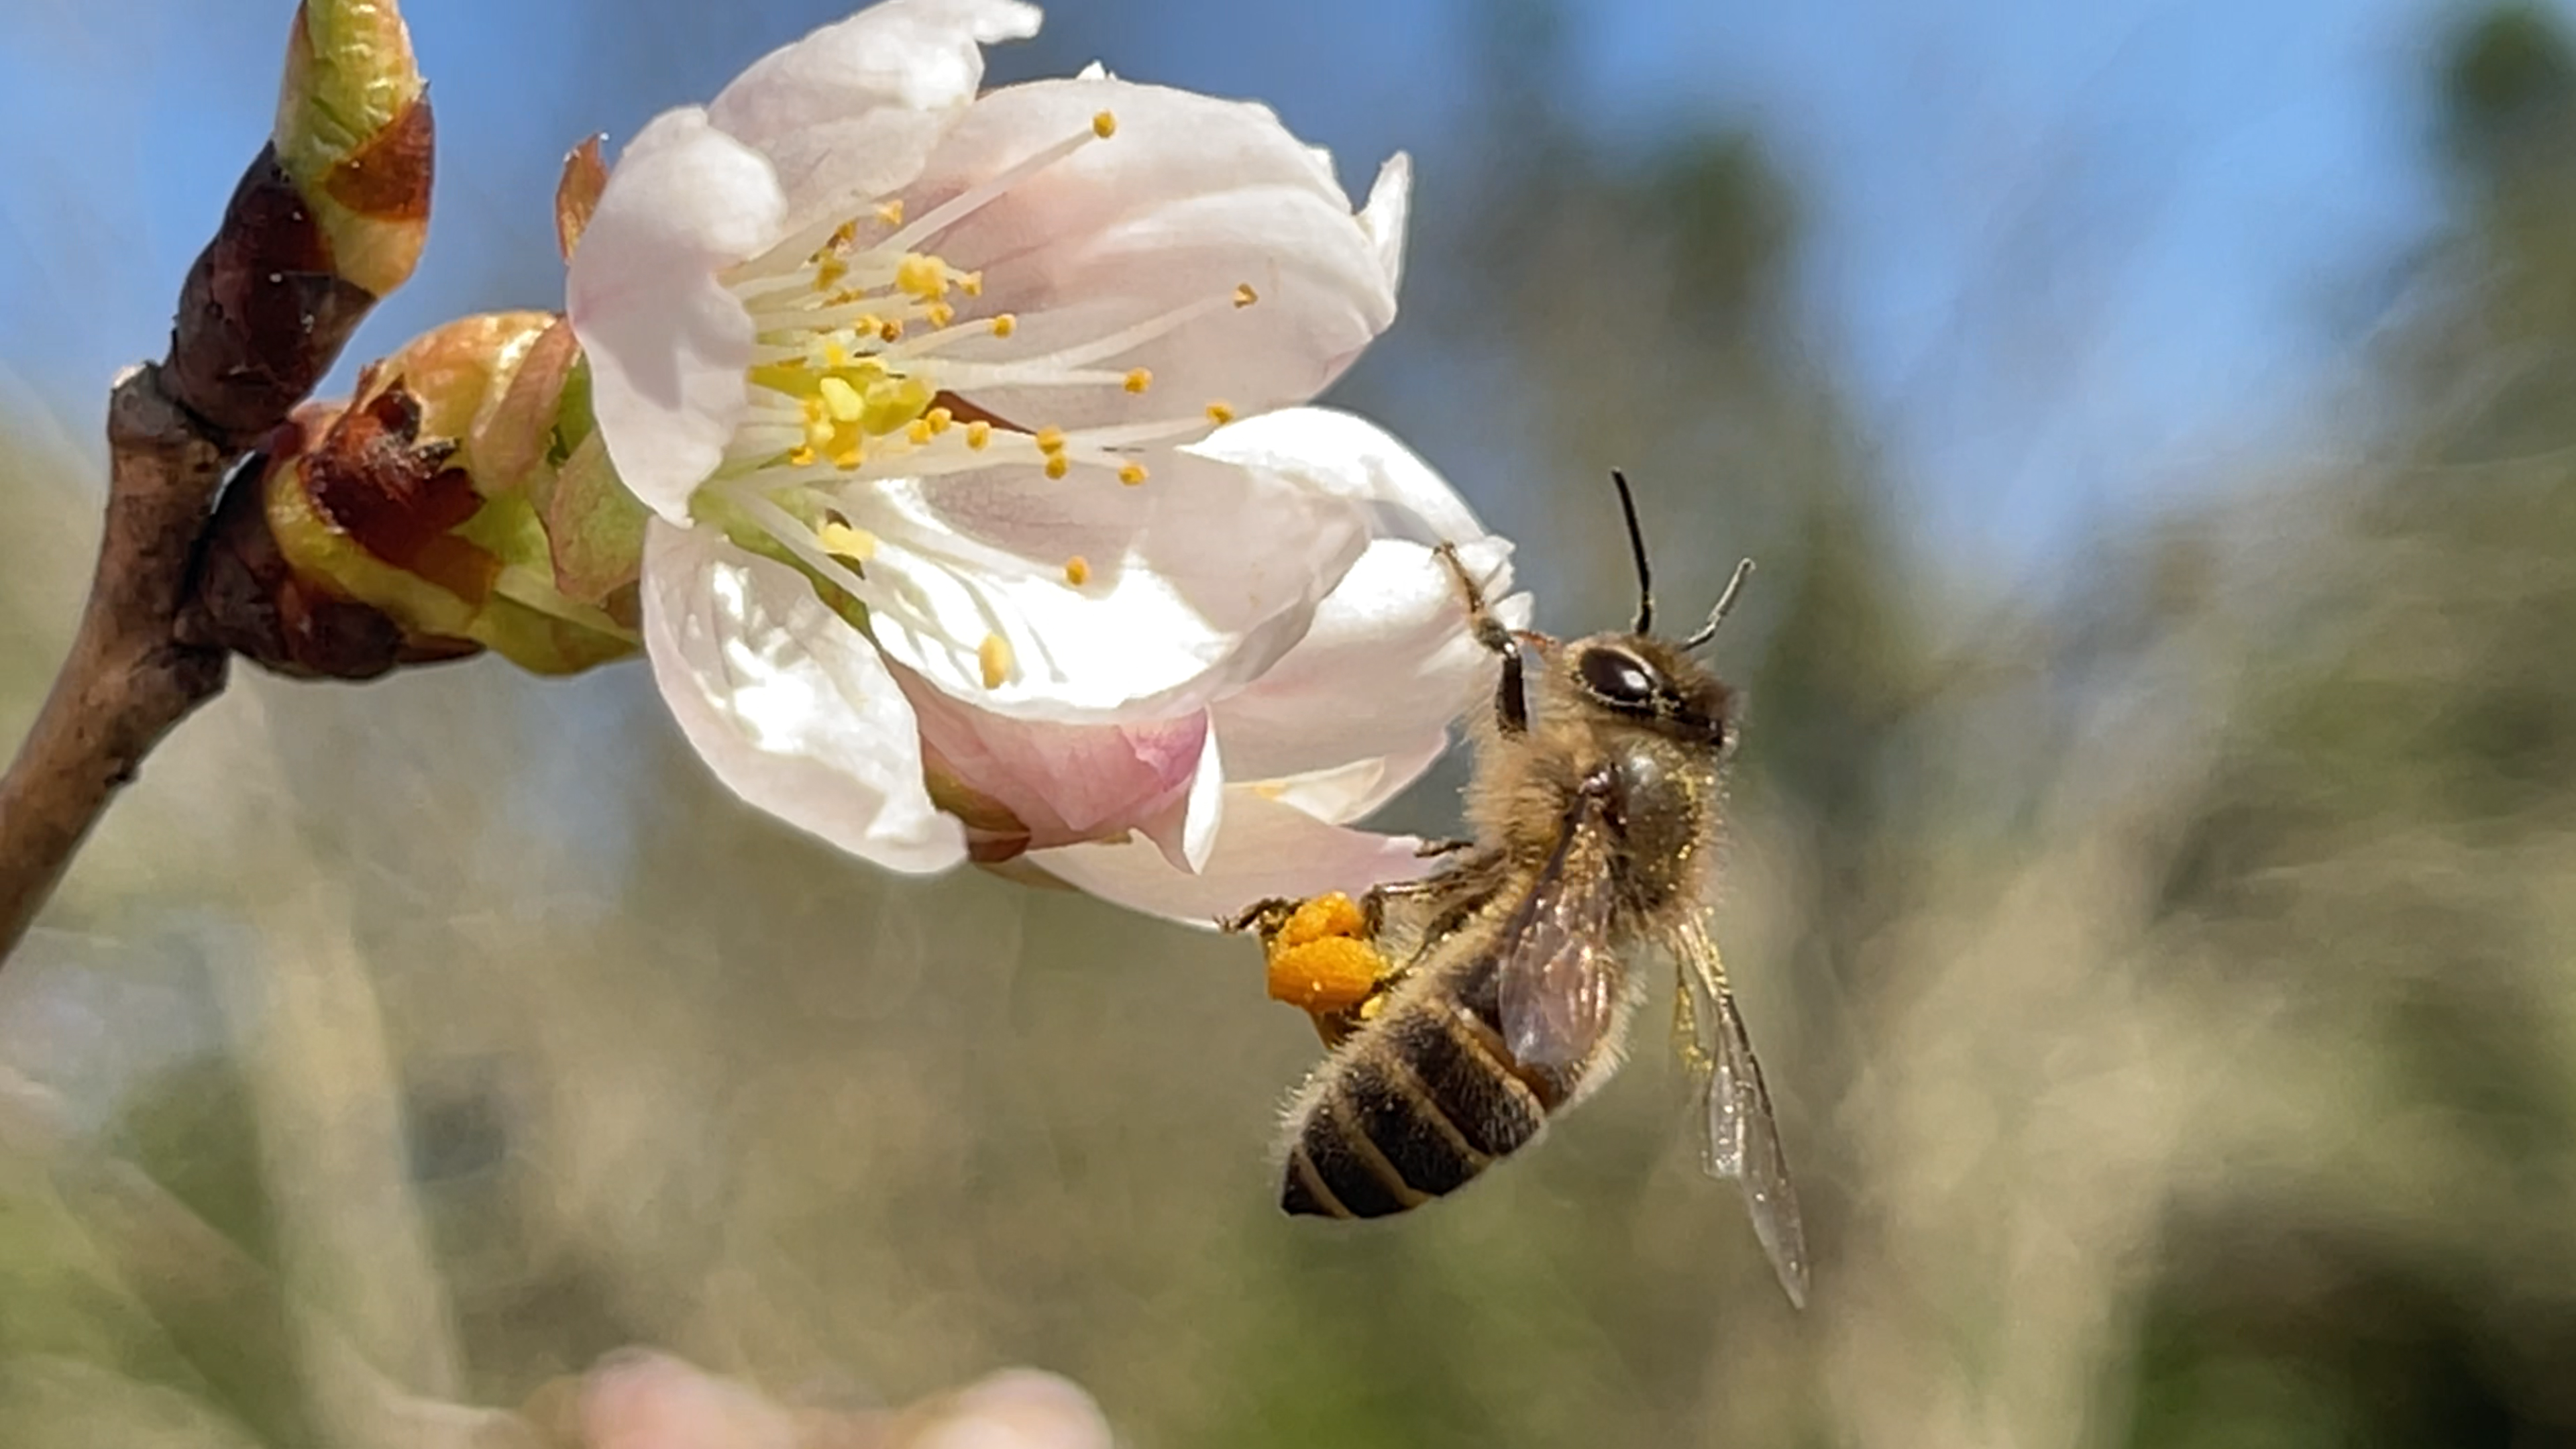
1331, 975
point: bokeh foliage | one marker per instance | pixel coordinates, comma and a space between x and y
2169, 983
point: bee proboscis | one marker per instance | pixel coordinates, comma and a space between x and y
1466, 1008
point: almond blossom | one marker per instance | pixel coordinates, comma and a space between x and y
987, 520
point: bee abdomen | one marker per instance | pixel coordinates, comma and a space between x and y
1411, 1111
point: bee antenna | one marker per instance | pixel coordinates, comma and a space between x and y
1725, 603
1637, 550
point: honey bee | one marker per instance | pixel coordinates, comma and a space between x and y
1464, 1009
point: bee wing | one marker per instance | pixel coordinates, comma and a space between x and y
1557, 982
1743, 1143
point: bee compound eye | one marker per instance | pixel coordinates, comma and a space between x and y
1618, 676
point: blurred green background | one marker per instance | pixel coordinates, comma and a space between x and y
2154, 897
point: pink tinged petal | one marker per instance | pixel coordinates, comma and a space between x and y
1014, 1409
1057, 784
1341, 455
1385, 669
1266, 848
1187, 831
849, 113
645, 1400
1197, 582
1190, 199
788, 704
667, 343
1390, 205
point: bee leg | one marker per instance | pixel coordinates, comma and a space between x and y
1430, 848
1264, 916
1335, 1027
1511, 704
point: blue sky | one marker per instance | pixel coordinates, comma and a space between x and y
2068, 260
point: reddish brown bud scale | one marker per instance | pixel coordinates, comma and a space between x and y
374, 478
388, 177
249, 599
262, 315
585, 176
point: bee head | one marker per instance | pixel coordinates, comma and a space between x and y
1652, 682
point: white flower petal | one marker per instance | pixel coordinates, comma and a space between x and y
1267, 848
1191, 198
667, 343
1346, 456
1390, 205
1387, 664
849, 113
787, 703
1198, 581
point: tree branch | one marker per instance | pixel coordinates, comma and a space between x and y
127, 680
327, 219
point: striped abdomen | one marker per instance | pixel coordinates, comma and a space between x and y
1413, 1107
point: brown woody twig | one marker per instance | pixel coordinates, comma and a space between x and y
322, 224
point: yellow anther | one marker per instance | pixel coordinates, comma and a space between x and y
971, 283
842, 541
1220, 413
849, 457
894, 403
1057, 465
866, 326
917, 431
978, 433
921, 276
994, 654
1244, 296
940, 314
1131, 474
841, 400
939, 419
1104, 125
1005, 324
1050, 440
800, 457
1077, 571
891, 330
830, 271
892, 212
834, 354
819, 430
843, 235
1139, 379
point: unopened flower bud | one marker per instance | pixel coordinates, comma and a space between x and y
328, 219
